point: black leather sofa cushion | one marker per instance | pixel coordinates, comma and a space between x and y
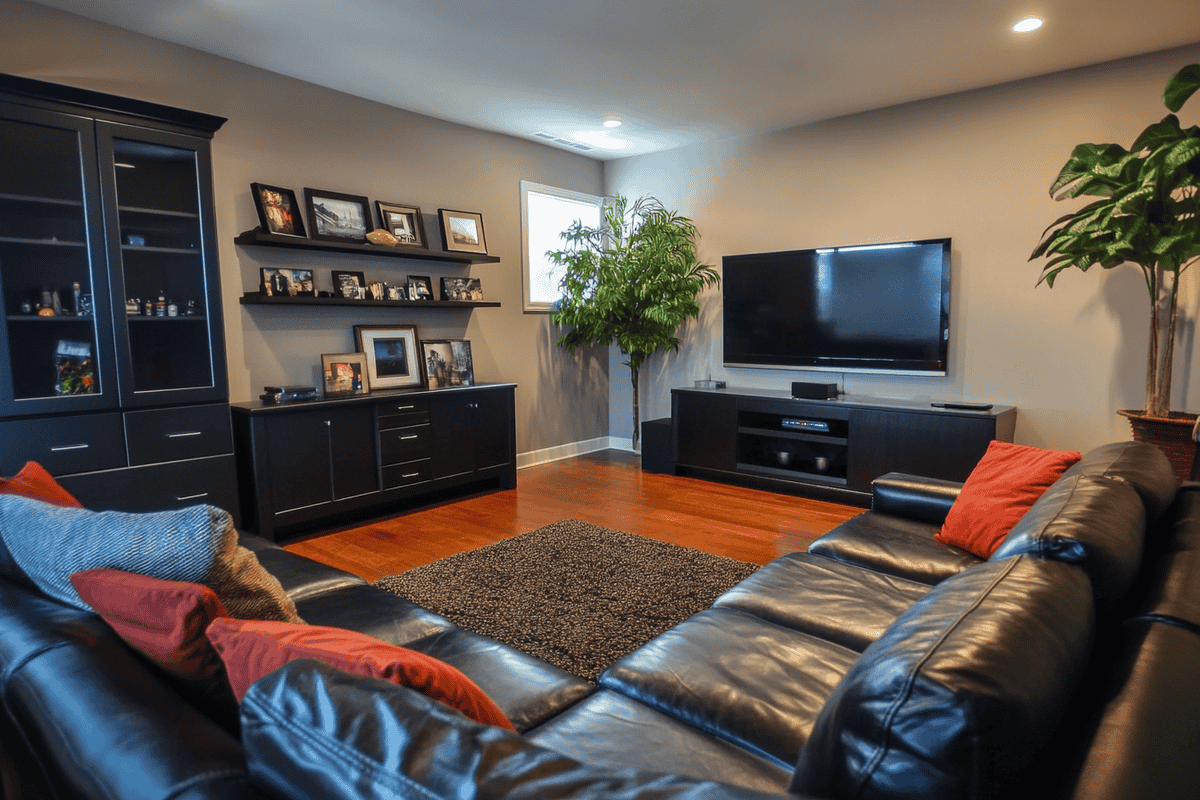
313, 732
961, 694
923, 499
825, 597
737, 677
1143, 466
370, 610
613, 730
301, 577
527, 689
1173, 573
1096, 523
895, 545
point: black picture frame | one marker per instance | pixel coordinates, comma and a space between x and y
462, 231
420, 287
285, 282
447, 363
404, 222
278, 211
349, 285
337, 216
468, 289
392, 356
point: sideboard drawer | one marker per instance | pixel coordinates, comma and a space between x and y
406, 474
403, 444
402, 413
159, 487
63, 445
174, 434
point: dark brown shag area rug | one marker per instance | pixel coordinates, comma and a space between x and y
576, 595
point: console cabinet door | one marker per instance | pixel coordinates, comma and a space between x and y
316, 457
472, 432
705, 430
932, 445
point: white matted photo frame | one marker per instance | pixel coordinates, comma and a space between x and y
402, 221
338, 217
462, 231
447, 362
391, 353
345, 374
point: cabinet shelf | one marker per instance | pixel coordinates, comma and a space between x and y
55, 201
259, 237
800, 437
158, 212
260, 299
38, 320
40, 242
183, 251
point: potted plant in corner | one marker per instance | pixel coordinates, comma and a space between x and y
632, 280
1148, 214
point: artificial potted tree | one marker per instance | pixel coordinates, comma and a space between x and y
1148, 214
633, 280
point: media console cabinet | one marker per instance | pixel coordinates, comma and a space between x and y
828, 448
303, 463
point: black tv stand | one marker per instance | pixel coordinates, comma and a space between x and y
828, 448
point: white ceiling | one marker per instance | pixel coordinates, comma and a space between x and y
675, 71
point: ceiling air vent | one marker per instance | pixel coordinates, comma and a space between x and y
564, 142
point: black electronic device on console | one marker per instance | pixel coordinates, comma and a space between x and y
811, 425
964, 406
814, 391
288, 394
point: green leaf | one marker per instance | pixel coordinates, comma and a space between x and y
1181, 87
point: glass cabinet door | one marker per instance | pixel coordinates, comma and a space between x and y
163, 262
56, 337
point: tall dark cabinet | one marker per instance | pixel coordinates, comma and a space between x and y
113, 350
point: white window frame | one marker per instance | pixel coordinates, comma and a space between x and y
530, 261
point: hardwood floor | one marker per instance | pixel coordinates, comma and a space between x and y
606, 488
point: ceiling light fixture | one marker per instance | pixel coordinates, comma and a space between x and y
612, 123
1028, 24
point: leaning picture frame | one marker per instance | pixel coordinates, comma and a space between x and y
391, 351
278, 211
284, 282
345, 374
447, 363
462, 289
462, 231
338, 217
420, 287
348, 285
402, 221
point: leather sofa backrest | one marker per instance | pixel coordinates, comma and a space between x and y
961, 693
1097, 523
1143, 466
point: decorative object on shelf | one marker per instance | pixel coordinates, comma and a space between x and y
276, 282
632, 280
82, 302
391, 352
349, 285
381, 237
74, 367
447, 363
396, 293
338, 217
1148, 214
135, 240
46, 312
461, 289
402, 221
462, 231
420, 287
345, 374
278, 211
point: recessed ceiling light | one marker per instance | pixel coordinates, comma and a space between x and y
1028, 24
612, 123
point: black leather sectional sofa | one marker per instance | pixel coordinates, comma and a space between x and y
880, 663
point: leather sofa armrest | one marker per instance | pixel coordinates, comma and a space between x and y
914, 497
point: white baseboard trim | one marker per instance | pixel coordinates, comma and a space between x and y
558, 453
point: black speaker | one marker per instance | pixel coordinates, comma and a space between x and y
815, 391
656, 446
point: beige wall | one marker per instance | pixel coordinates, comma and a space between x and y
975, 167
289, 133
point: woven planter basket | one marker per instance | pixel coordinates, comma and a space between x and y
1172, 435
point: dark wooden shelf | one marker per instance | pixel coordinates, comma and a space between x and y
259, 237
260, 299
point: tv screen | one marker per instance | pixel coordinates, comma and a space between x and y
865, 308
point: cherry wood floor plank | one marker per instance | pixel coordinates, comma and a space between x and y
607, 489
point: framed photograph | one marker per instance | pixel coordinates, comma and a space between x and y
396, 292
278, 211
447, 363
403, 222
350, 285
337, 217
391, 352
420, 287
461, 289
286, 282
462, 231
345, 374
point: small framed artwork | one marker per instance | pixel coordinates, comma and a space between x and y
391, 352
396, 292
447, 363
345, 374
278, 211
286, 282
461, 289
420, 287
403, 222
462, 231
349, 285
337, 217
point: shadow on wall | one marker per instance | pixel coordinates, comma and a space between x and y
580, 379
698, 358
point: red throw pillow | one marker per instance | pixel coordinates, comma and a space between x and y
252, 649
33, 481
1004, 484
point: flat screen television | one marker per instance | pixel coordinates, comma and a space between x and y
864, 308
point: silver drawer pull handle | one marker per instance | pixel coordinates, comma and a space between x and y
185, 433
410, 475
69, 447
410, 436
193, 496
405, 408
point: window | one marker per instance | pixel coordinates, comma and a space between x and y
545, 213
